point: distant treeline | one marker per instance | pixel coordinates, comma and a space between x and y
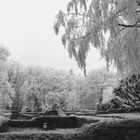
33, 88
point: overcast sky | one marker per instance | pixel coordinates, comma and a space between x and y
26, 28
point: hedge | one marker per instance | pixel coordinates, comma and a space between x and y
81, 120
52, 122
21, 123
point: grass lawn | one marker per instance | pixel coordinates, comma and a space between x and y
39, 130
122, 115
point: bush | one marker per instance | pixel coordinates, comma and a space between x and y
85, 120
108, 130
21, 123
113, 104
57, 122
52, 122
3, 124
129, 92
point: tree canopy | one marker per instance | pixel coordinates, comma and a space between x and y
6, 91
33, 88
112, 26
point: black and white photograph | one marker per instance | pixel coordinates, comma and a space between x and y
69, 69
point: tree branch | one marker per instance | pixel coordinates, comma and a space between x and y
128, 25
80, 14
120, 31
84, 36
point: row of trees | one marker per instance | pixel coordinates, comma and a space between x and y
37, 88
34, 88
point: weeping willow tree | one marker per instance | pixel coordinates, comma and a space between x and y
111, 26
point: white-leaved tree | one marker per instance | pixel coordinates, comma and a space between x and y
91, 89
112, 26
6, 92
31, 91
16, 78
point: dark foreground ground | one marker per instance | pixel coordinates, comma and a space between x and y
125, 126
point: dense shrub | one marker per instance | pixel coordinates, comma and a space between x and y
111, 129
3, 124
21, 123
56, 121
81, 120
129, 92
52, 122
113, 104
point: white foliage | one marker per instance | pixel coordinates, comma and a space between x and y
107, 95
87, 26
